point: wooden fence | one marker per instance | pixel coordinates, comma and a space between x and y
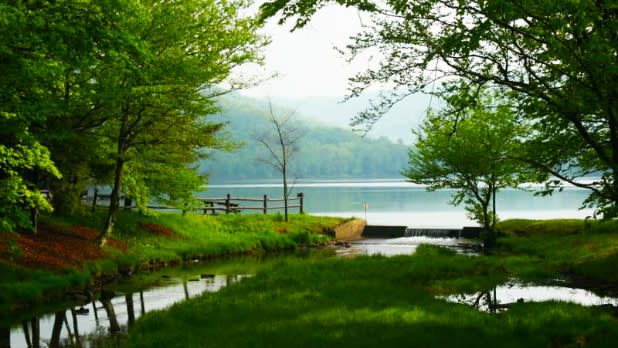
227, 204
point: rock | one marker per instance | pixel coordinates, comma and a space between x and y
207, 275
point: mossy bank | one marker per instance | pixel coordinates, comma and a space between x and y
63, 255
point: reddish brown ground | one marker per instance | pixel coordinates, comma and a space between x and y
57, 247
158, 229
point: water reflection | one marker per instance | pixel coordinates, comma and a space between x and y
108, 319
504, 296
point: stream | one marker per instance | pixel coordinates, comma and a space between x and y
104, 322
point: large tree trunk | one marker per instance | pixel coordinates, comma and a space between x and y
114, 203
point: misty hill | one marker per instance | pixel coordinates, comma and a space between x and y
324, 151
396, 124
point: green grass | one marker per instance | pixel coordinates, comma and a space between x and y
583, 250
19, 284
209, 236
369, 302
198, 236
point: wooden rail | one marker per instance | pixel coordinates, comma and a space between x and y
225, 204
213, 204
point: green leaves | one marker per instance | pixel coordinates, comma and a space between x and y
557, 60
473, 145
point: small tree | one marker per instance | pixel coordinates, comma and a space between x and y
280, 146
471, 149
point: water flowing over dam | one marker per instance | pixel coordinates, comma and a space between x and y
377, 231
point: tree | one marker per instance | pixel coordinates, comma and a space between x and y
40, 43
557, 60
473, 150
158, 89
280, 146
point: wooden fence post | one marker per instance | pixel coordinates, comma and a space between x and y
94, 198
301, 196
265, 205
227, 204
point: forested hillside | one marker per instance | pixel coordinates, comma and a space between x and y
324, 152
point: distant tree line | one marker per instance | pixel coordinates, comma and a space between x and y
323, 152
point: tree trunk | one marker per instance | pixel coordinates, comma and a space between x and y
114, 203
493, 216
285, 193
94, 198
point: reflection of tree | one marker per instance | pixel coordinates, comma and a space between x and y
111, 315
130, 310
5, 337
36, 332
75, 327
184, 285
66, 323
56, 330
96, 315
141, 301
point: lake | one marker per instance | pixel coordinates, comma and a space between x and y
396, 202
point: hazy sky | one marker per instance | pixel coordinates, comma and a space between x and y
305, 60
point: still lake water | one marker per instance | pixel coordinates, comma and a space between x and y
399, 203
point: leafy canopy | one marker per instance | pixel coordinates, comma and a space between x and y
474, 150
557, 60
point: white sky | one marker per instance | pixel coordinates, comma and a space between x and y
305, 60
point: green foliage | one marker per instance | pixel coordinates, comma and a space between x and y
557, 60
472, 146
101, 84
21, 157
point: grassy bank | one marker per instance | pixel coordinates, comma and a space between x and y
584, 252
369, 302
378, 301
63, 254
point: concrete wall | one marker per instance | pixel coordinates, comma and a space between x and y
384, 231
351, 230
